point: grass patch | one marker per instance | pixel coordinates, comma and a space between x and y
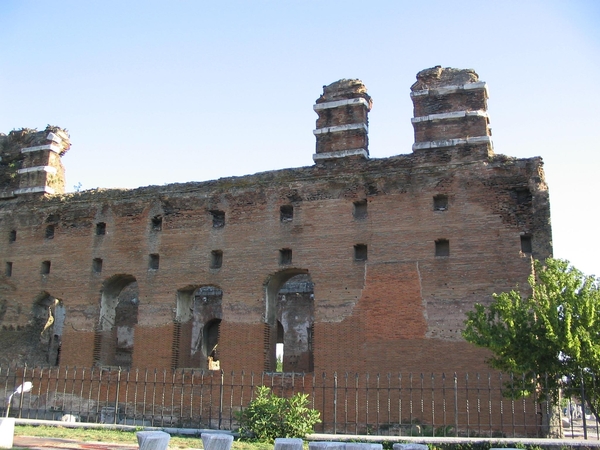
121, 437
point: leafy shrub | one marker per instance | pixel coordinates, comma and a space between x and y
268, 416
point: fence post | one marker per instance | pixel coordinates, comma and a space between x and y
455, 405
221, 398
335, 386
117, 394
585, 436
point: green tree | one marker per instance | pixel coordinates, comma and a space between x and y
552, 334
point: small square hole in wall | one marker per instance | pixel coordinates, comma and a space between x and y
286, 213
157, 223
442, 247
360, 252
285, 256
153, 261
49, 232
8, 269
216, 259
12, 236
359, 209
45, 267
440, 202
522, 195
100, 229
218, 218
526, 246
97, 265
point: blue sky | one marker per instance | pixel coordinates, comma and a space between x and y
156, 92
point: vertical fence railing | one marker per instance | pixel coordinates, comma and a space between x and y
350, 403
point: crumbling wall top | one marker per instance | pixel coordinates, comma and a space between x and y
28, 137
345, 89
437, 76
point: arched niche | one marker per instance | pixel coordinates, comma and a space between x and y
198, 315
289, 320
118, 317
48, 320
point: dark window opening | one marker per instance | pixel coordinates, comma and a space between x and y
50, 232
360, 252
218, 218
521, 195
442, 247
216, 259
153, 261
286, 213
100, 229
526, 244
45, 267
440, 203
97, 265
8, 269
360, 209
285, 256
157, 223
12, 236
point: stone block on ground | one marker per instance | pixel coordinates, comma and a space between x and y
325, 445
363, 446
288, 444
216, 441
410, 447
7, 432
153, 440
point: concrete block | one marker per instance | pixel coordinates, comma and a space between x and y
326, 445
216, 441
410, 447
7, 432
153, 440
363, 446
288, 444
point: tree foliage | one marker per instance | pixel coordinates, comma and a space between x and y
268, 416
552, 335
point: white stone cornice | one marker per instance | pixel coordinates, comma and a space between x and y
34, 190
341, 154
338, 103
52, 147
452, 142
338, 128
54, 138
452, 89
449, 115
48, 169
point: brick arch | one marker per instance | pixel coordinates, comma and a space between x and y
48, 319
289, 319
114, 342
198, 315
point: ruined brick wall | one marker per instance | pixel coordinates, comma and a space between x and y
396, 250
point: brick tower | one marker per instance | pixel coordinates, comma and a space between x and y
343, 124
41, 169
450, 112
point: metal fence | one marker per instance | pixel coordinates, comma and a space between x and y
401, 404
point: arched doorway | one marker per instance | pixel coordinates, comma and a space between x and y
114, 342
289, 320
197, 323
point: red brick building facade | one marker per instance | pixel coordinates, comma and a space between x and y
353, 264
